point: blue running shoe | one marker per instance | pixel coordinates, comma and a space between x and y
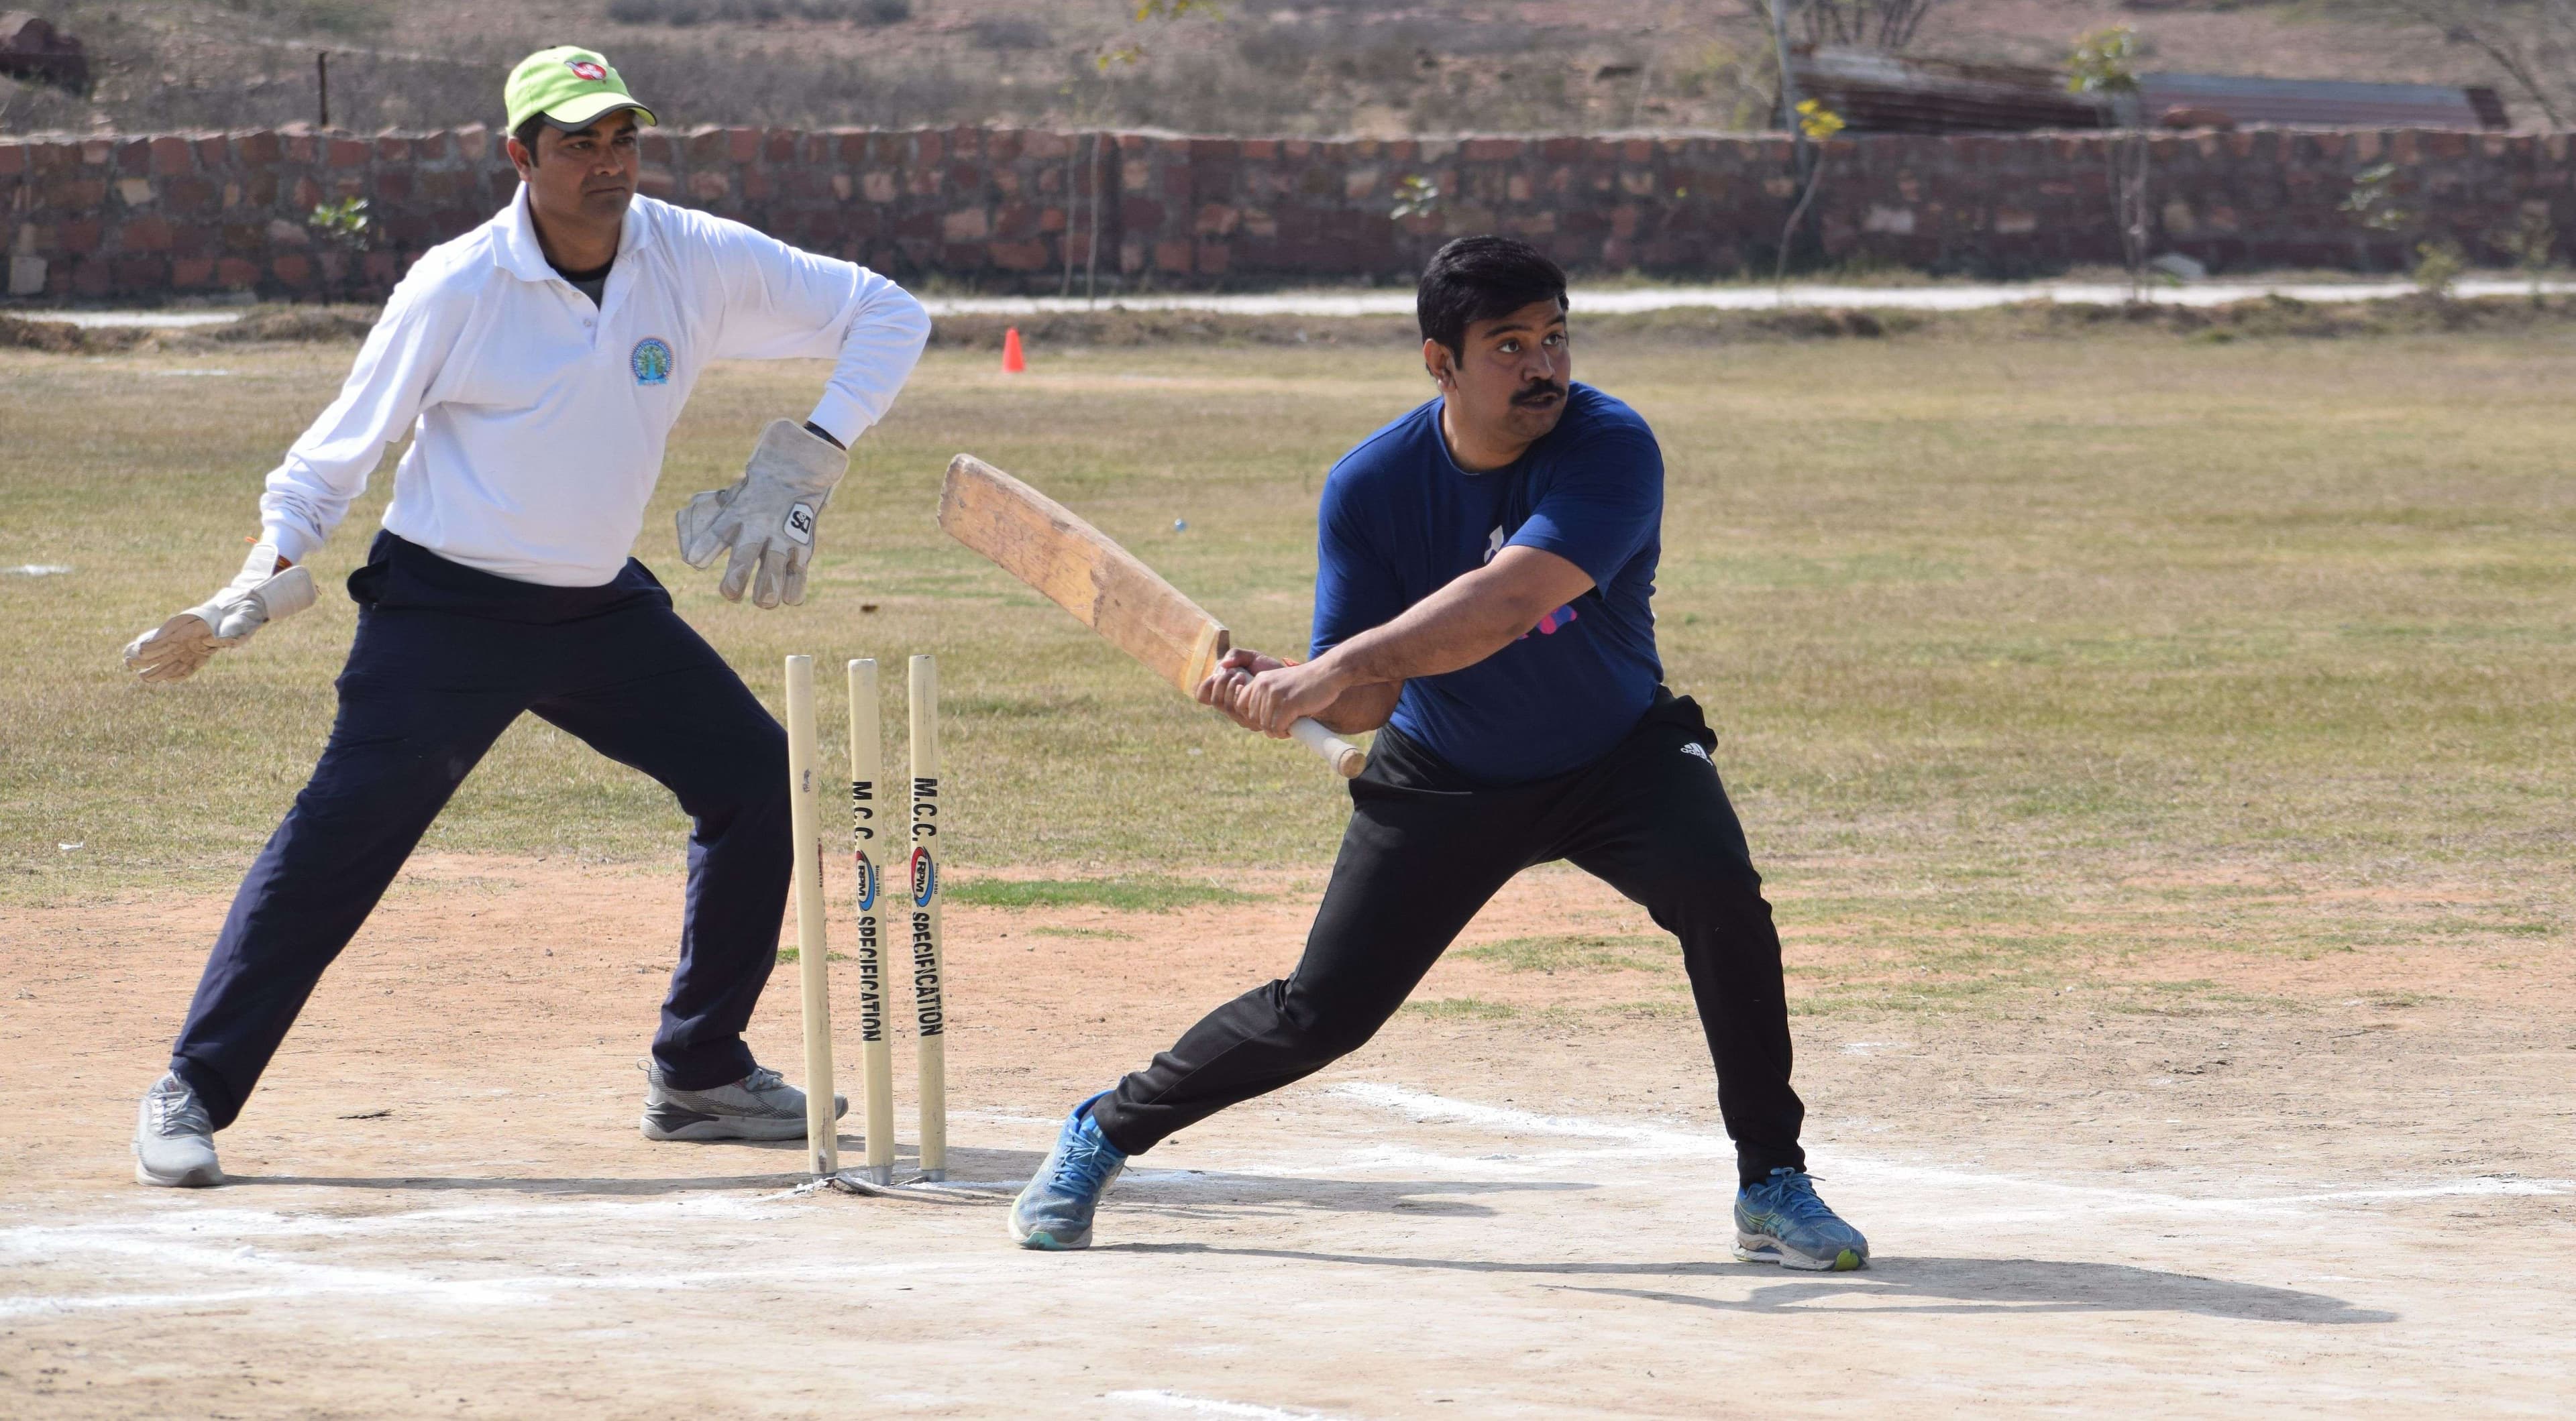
1780, 1220
1055, 1210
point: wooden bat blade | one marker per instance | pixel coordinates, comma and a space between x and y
1081, 569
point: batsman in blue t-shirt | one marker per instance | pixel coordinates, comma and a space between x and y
1484, 602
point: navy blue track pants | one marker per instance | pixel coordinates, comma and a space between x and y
445, 658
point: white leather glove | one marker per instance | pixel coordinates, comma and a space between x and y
768, 517
262, 593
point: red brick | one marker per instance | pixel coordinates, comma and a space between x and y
192, 272
778, 145
742, 145
1172, 257
348, 153
429, 148
1020, 256
382, 268
294, 269
170, 157
145, 234
233, 271
392, 148
260, 147
13, 159
80, 237
1491, 150
189, 195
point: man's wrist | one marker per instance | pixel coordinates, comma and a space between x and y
825, 435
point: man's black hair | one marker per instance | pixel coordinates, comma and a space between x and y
1481, 279
526, 133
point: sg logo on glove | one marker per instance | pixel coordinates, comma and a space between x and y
800, 523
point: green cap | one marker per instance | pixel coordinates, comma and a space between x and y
571, 86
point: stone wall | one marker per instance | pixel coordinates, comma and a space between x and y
149, 218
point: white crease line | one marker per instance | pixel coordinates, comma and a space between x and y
1209, 1406
1637, 1140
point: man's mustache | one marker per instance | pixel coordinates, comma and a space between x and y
1540, 394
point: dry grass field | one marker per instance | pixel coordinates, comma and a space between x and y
2158, 751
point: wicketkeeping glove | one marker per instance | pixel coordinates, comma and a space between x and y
175, 649
768, 518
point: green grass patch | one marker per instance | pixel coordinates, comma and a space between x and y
1463, 1009
2027, 657
788, 957
1577, 952
1132, 895
1100, 934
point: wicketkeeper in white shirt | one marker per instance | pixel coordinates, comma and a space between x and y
538, 363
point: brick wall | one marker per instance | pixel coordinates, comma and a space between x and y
147, 218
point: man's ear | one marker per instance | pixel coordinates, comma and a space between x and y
1443, 366
520, 157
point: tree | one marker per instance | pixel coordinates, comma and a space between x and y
1816, 123
2533, 42
2104, 64
1862, 24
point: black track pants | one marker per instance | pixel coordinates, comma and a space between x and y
1424, 852
445, 658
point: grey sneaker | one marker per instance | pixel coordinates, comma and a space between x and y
760, 1106
174, 1145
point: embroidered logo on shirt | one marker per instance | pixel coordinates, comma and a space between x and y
1493, 542
1695, 748
584, 69
651, 361
1549, 624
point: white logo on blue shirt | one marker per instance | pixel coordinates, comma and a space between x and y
1493, 542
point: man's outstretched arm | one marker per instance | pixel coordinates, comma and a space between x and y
1466, 621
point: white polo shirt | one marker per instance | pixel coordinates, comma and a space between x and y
538, 420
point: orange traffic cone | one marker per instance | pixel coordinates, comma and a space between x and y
1013, 362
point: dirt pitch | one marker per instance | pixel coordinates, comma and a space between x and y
2320, 1205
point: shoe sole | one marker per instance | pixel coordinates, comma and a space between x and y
1758, 1248
206, 1178
705, 1129
1045, 1242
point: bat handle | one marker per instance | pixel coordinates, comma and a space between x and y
1346, 759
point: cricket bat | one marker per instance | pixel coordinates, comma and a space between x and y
1044, 544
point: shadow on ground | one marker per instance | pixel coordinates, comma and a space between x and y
1919, 1285
987, 1176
